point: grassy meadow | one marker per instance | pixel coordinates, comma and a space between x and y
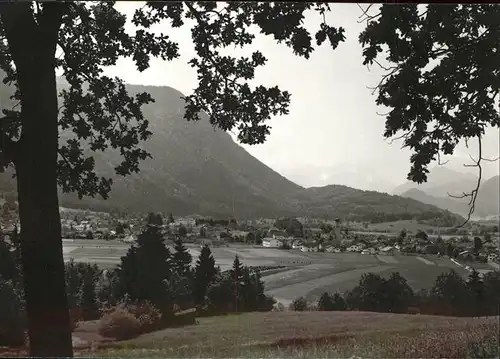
314, 335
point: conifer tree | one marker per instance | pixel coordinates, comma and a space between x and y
145, 269
237, 270
238, 276
181, 259
88, 294
325, 302
204, 274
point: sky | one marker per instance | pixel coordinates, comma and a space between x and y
333, 134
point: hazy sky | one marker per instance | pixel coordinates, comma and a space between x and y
333, 134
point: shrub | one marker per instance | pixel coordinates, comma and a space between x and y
299, 305
119, 324
266, 303
148, 315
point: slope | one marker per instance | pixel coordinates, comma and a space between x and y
441, 181
197, 169
488, 197
353, 204
448, 203
486, 205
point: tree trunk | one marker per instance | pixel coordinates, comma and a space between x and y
32, 46
42, 255
41, 244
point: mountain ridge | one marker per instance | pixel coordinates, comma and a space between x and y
442, 191
198, 169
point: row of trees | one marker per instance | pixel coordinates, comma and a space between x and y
450, 295
149, 273
437, 218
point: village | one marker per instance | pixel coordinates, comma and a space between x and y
478, 245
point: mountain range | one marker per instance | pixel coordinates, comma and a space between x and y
444, 185
197, 169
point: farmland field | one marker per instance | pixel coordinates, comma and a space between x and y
312, 335
309, 274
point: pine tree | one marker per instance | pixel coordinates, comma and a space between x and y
204, 274
145, 269
154, 219
237, 274
237, 270
181, 259
73, 283
251, 292
325, 302
475, 286
338, 302
88, 294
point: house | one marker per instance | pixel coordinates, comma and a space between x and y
271, 242
466, 255
129, 239
370, 250
186, 222
330, 249
387, 250
275, 232
354, 248
309, 247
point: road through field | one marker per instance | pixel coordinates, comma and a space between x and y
312, 289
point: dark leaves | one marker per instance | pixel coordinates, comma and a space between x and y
97, 112
224, 91
443, 75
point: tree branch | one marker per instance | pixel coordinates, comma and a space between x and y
364, 16
473, 194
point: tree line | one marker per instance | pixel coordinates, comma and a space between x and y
451, 295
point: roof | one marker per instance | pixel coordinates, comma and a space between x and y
267, 239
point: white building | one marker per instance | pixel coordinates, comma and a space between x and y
186, 222
130, 239
271, 243
354, 248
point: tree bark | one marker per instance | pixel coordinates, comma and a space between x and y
32, 46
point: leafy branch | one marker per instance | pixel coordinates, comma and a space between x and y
455, 96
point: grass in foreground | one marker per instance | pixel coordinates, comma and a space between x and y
318, 334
